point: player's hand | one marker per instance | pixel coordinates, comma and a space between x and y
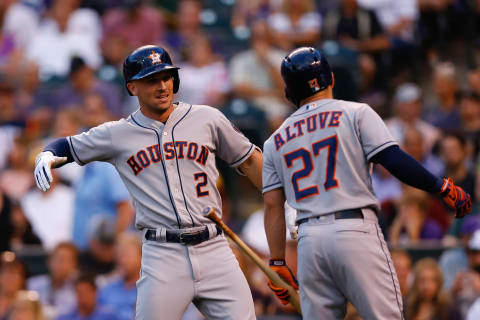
280, 267
43, 172
455, 198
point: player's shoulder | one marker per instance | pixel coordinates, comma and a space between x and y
204, 110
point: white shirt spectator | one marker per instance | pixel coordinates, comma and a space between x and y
474, 311
7, 138
51, 214
52, 49
391, 12
280, 22
199, 83
21, 22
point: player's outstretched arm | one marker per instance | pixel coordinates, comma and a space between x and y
54, 155
411, 172
252, 168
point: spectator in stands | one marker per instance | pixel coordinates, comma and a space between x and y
9, 127
453, 151
50, 213
355, 28
256, 76
17, 179
138, 24
187, 25
445, 113
15, 230
470, 123
455, 260
87, 306
121, 294
407, 102
82, 82
466, 287
67, 31
99, 258
358, 30
19, 21
403, 267
426, 299
245, 12
99, 195
398, 19
297, 24
27, 307
413, 144
204, 75
56, 289
12, 280
412, 223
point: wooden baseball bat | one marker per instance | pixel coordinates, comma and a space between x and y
272, 275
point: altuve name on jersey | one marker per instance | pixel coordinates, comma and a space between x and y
181, 150
310, 124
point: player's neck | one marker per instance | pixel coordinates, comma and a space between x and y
324, 94
159, 115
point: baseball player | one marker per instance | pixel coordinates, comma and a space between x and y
319, 160
165, 154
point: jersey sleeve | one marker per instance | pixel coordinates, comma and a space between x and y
270, 178
374, 135
231, 145
93, 145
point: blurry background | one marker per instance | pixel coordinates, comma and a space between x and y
416, 62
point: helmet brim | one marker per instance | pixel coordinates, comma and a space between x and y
152, 70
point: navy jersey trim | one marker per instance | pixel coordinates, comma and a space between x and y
242, 157
178, 167
164, 171
378, 147
75, 152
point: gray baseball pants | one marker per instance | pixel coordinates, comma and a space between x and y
173, 275
346, 259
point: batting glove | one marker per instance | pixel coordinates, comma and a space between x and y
455, 198
43, 172
280, 267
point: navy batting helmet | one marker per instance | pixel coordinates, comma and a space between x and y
147, 60
305, 71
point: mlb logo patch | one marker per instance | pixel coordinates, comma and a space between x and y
314, 85
155, 56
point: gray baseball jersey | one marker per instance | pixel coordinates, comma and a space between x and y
169, 169
320, 157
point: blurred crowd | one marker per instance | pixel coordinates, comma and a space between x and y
416, 62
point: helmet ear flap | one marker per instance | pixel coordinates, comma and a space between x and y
290, 97
176, 81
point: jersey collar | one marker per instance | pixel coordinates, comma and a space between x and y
313, 105
143, 120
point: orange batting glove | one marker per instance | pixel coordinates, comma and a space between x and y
455, 198
280, 267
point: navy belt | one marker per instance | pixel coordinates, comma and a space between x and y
345, 214
184, 237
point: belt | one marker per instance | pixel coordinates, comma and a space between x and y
184, 237
345, 214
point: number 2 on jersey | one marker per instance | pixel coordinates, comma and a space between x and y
331, 143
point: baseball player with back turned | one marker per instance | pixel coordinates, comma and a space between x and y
165, 154
319, 160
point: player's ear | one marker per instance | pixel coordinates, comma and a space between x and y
333, 81
132, 88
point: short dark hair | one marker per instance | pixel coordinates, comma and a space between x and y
87, 278
457, 136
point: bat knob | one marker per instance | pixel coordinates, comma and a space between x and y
206, 210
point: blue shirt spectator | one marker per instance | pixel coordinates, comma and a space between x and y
98, 314
120, 297
97, 197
